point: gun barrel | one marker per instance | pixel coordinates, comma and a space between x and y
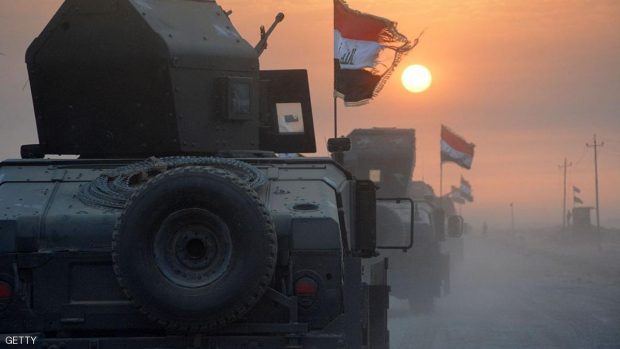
262, 44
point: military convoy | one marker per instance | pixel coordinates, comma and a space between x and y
387, 157
178, 226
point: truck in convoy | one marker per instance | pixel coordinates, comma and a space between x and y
386, 156
175, 224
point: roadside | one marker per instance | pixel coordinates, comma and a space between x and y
521, 293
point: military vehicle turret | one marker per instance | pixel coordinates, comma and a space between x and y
387, 157
178, 226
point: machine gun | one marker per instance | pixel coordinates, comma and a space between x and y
264, 36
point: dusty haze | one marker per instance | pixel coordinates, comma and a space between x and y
528, 81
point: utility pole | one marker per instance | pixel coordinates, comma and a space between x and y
596, 145
565, 166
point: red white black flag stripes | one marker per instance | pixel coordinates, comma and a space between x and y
455, 195
455, 149
577, 200
465, 190
359, 39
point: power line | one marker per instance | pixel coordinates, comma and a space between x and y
583, 154
611, 151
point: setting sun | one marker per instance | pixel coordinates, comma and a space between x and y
416, 78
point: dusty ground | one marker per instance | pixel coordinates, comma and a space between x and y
521, 293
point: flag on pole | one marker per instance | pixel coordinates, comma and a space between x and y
465, 190
367, 48
458, 199
577, 200
576, 190
455, 195
455, 149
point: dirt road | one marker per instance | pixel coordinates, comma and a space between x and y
517, 294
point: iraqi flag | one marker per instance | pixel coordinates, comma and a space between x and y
456, 196
465, 190
367, 48
455, 149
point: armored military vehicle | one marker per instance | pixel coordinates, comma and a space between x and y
177, 226
387, 156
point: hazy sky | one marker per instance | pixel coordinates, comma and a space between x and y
528, 81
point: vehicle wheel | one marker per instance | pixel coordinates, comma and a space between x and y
194, 248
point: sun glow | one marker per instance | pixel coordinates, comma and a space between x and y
416, 78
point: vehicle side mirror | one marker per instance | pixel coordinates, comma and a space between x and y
395, 224
364, 242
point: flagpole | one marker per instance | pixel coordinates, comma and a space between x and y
441, 182
335, 117
440, 170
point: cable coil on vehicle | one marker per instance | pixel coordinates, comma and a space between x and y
113, 188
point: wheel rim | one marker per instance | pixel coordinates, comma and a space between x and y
193, 247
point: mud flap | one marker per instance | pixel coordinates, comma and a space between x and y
378, 304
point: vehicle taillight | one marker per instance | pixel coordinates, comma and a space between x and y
306, 287
6, 291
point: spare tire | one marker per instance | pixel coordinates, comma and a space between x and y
194, 248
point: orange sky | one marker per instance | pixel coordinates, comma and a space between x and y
528, 81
